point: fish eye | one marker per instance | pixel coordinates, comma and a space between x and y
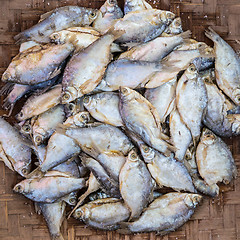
84, 116
207, 79
238, 98
146, 149
187, 156
93, 14
26, 128
19, 188
133, 156
20, 114
66, 96
72, 200
124, 90
24, 171
38, 139
86, 99
169, 15
71, 106
78, 214
6, 76
111, 1
192, 68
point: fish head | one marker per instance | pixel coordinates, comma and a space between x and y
89, 102
22, 167
9, 74
21, 187
109, 7
81, 118
38, 139
192, 200
147, 153
69, 95
208, 137
26, 128
70, 109
59, 37
176, 26
126, 94
82, 213
208, 76
191, 72
234, 119
236, 96
90, 16
132, 156
23, 114
166, 17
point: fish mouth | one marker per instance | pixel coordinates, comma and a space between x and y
6, 76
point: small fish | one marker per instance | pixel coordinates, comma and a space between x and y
104, 107
136, 184
174, 28
141, 117
108, 13
37, 64
163, 98
56, 20
103, 213
54, 214
180, 135
167, 171
109, 185
143, 25
50, 187
14, 150
227, 67
77, 82
46, 123
164, 214
214, 159
191, 86
135, 5
122, 73
38, 104
78, 120
156, 49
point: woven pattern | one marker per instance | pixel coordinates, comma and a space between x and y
215, 219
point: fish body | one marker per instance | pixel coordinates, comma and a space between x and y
108, 13
135, 5
141, 117
227, 67
164, 214
214, 159
104, 107
37, 64
167, 171
103, 214
38, 104
14, 150
56, 20
136, 184
191, 98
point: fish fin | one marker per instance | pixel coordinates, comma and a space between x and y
36, 173
56, 174
211, 34
195, 141
124, 228
46, 15
203, 187
5, 159
55, 73
186, 35
37, 208
5, 90
116, 33
21, 37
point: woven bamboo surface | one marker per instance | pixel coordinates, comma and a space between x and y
215, 219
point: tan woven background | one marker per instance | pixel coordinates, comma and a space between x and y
215, 219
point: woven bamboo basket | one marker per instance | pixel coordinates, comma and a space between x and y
215, 219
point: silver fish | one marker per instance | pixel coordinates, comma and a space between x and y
164, 214
141, 117
38, 104
54, 215
174, 28
214, 159
46, 123
136, 184
227, 67
37, 64
104, 107
191, 86
56, 20
76, 82
78, 120
180, 135
156, 49
14, 150
103, 213
143, 25
108, 13
163, 98
135, 5
50, 187
167, 171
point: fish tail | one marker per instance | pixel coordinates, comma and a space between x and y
203, 187
211, 34
186, 35
124, 228
37, 173
5, 90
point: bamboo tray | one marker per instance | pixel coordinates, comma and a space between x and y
215, 219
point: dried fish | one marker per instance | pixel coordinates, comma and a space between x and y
135, 5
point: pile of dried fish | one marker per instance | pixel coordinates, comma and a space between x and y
125, 113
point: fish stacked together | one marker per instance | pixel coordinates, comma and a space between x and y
120, 113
